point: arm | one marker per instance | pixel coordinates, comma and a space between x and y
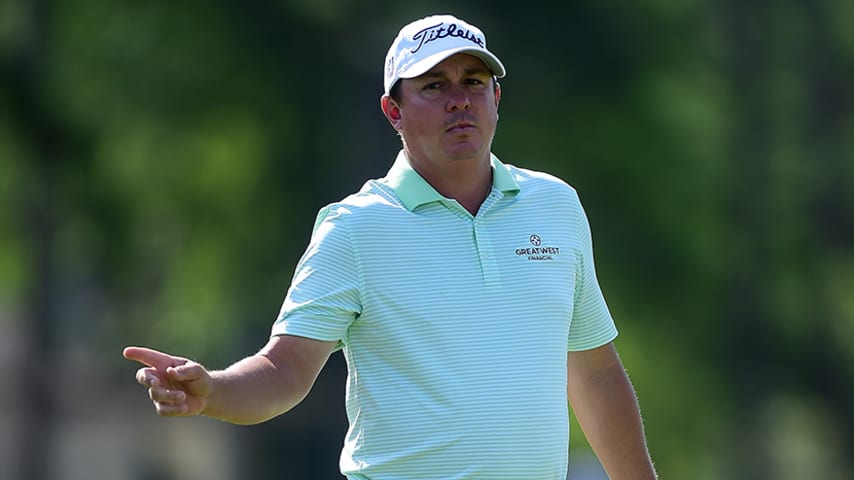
606, 407
252, 390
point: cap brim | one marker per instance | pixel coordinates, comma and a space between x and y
423, 66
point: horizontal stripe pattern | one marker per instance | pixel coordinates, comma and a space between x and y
455, 327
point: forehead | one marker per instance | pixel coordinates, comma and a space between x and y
458, 63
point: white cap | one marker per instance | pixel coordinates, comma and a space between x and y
424, 43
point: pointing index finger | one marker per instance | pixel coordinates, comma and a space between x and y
152, 358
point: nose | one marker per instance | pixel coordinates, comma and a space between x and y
458, 99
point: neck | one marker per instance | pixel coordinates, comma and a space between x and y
466, 181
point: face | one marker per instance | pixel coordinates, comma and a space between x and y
447, 114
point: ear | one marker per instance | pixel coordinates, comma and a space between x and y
391, 110
497, 93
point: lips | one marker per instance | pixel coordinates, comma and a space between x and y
460, 127
460, 122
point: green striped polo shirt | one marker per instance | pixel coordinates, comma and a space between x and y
455, 328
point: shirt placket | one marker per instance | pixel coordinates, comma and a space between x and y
483, 242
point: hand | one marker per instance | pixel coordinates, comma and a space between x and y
177, 386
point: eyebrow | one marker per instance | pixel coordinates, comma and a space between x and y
468, 71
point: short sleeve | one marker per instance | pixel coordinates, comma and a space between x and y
324, 296
592, 325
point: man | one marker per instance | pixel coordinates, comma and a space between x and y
461, 290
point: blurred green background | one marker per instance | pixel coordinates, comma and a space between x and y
161, 164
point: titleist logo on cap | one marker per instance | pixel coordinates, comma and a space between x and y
422, 44
439, 31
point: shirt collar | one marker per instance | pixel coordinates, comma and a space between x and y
414, 191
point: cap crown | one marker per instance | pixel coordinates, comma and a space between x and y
424, 43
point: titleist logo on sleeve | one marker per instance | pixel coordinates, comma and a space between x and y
437, 32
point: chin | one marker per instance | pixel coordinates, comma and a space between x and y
469, 145
465, 153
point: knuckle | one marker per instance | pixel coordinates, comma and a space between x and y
157, 394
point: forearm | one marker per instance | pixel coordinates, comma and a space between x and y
253, 390
605, 404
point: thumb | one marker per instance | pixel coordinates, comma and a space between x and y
187, 372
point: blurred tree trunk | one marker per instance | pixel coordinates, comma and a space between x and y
831, 217
746, 350
36, 202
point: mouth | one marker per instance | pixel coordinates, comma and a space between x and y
460, 127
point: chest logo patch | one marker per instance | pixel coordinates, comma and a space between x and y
537, 251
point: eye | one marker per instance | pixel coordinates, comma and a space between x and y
476, 82
432, 86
